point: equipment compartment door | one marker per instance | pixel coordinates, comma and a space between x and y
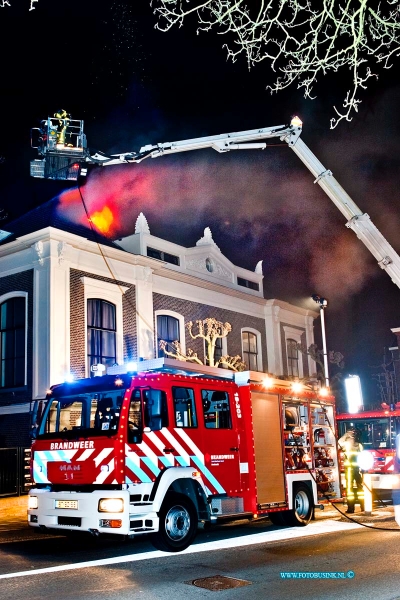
268, 448
221, 440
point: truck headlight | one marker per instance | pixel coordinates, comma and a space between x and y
111, 505
32, 502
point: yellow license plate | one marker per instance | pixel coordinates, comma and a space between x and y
67, 504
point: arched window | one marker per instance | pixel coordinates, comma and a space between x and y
292, 357
101, 332
250, 350
12, 342
168, 331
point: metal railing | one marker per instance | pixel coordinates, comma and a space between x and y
14, 471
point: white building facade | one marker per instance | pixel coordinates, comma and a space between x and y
68, 302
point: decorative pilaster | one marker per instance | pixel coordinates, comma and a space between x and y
144, 312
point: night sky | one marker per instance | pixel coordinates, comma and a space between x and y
104, 62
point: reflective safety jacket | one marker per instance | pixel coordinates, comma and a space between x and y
350, 457
351, 450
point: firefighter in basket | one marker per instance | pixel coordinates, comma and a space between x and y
351, 447
64, 119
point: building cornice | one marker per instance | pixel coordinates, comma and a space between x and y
49, 234
158, 267
292, 308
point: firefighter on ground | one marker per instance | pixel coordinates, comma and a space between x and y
350, 445
396, 490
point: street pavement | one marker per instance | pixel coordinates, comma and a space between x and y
13, 514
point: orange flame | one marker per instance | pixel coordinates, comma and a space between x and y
103, 219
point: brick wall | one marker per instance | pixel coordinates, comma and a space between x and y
193, 311
77, 320
130, 326
14, 429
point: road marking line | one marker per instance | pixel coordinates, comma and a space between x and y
255, 538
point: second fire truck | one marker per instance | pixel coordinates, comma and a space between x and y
377, 431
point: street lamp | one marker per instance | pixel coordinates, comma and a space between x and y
323, 303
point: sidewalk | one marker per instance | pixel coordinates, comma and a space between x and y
13, 513
380, 514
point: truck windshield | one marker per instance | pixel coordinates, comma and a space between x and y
88, 414
373, 433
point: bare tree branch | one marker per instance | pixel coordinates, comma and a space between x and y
301, 40
209, 330
178, 354
335, 358
234, 363
4, 3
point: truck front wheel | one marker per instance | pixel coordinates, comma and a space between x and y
178, 524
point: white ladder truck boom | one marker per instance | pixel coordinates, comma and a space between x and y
359, 222
61, 143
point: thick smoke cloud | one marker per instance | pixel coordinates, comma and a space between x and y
259, 206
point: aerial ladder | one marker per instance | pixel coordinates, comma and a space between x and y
64, 155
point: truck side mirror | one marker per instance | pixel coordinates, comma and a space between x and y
34, 419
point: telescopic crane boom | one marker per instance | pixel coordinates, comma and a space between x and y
61, 144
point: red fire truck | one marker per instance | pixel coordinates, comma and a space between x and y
169, 447
377, 433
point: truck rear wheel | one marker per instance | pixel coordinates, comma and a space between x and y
302, 510
178, 524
